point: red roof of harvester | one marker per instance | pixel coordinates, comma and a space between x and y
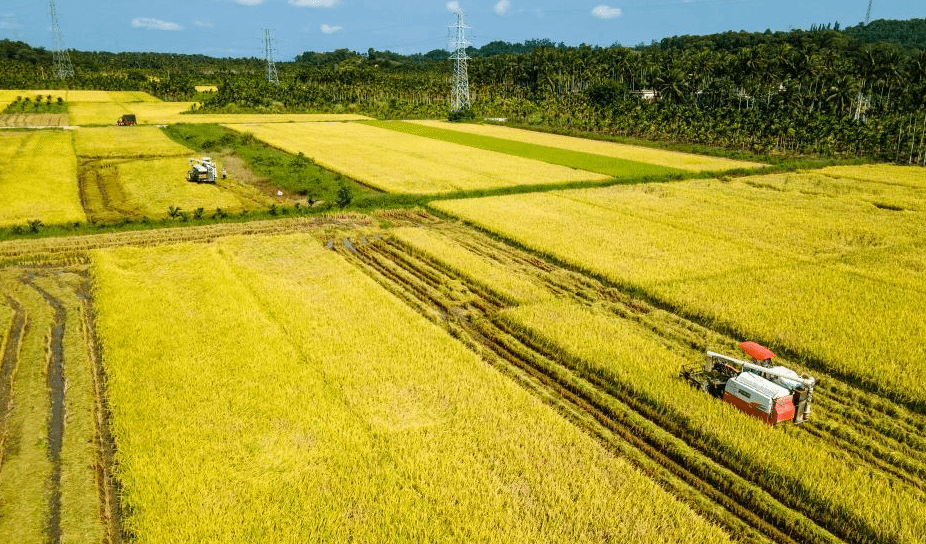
759, 352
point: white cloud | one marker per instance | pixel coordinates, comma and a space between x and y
154, 24
502, 7
314, 3
605, 12
453, 6
330, 29
249, 2
203, 25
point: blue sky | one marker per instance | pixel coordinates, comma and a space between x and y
235, 27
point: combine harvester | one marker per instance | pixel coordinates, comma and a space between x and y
201, 171
774, 394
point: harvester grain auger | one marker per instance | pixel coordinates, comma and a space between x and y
771, 393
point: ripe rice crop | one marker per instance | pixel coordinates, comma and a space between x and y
403, 163
488, 273
614, 167
263, 389
110, 142
824, 313
885, 173
828, 480
151, 186
38, 178
599, 238
661, 157
770, 257
147, 112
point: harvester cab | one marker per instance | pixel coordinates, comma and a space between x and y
201, 171
774, 394
127, 120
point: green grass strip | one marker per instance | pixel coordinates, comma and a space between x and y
618, 168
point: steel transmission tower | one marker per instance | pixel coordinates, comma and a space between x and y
62, 61
868, 13
268, 50
459, 99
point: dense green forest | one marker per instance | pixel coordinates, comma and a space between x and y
856, 91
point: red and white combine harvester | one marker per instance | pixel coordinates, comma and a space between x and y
771, 393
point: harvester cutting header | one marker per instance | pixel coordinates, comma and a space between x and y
771, 393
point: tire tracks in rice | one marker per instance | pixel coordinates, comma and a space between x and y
9, 363
55, 382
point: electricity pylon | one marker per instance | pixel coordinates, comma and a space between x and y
268, 51
459, 98
62, 68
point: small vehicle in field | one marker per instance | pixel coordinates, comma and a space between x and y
127, 120
774, 394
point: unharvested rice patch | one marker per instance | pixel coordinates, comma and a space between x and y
152, 186
671, 159
111, 142
38, 178
403, 163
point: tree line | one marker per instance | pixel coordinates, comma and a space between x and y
858, 91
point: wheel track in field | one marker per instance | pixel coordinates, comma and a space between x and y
108, 488
707, 490
690, 335
9, 364
54, 354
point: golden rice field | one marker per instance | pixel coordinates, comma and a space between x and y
151, 186
166, 113
250, 404
403, 163
38, 178
660, 157
493, 275
767, 256
111, 142
635, 356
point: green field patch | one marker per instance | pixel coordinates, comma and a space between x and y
618, 168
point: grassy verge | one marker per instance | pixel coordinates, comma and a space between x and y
618, 168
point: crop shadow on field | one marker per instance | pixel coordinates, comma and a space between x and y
600, 164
